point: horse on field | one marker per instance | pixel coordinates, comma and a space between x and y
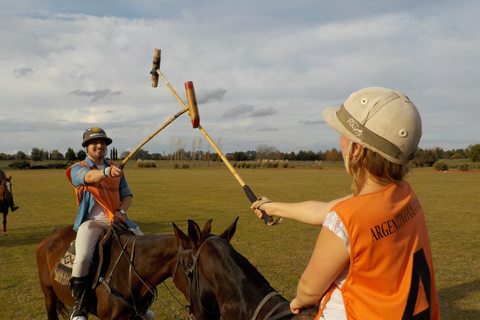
219, 282
132, 268
6, 200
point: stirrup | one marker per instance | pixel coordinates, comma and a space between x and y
78, 313
149, 315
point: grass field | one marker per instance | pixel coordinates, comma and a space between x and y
163, 195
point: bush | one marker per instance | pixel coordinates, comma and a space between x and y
464, 166
441, 166
145, 164
19, 164
57, 165
316, 165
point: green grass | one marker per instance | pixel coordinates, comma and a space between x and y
163, 195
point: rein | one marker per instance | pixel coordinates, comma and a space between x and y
278, 305
107, 281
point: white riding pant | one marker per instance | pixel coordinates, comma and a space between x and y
88, 235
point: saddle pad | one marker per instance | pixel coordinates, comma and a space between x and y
63, 272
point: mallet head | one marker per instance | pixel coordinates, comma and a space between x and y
192, 104
156, 66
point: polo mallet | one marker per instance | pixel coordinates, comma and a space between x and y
155, 72
193, 111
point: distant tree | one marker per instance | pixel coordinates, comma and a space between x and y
21, 155
267, 152
333, 155
37, 154
289, 156
56, 155
81, 155
70, 155
425, 158
473, 152
113, 154
320, 155
124, 154
239, 156
251, 154
440, 153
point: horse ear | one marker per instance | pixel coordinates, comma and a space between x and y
194, 232
182, 238
230, 231
207, 228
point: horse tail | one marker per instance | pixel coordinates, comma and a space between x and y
62, 309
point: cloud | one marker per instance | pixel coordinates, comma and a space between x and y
268, 129
23, 72
95, 95
206, 96
312, 122
237, 111
264, 112
249, 110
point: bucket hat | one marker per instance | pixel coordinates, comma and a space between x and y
95, 133
380, 119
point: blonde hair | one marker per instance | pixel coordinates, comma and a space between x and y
379, 169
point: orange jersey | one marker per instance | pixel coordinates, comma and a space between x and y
391, 271
105, 192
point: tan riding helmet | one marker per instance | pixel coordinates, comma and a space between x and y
380, 119
95, 133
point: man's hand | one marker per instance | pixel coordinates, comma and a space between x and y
114, 171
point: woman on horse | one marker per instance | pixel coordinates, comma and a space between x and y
103, 197
372, 259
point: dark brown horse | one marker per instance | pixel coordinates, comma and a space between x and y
6, 200
219, 282
136, 266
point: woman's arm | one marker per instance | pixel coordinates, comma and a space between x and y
311, 212
329, 259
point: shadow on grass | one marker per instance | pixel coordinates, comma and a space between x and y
450, 300
26, 236
29, 236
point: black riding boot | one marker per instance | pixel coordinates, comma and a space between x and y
78, 287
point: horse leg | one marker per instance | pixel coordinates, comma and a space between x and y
51, 302
5, 223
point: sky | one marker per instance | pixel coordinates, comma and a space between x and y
263, 71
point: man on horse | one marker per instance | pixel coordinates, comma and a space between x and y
103, 197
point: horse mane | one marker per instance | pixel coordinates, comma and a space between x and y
250, 270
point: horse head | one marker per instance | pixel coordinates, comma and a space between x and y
187, 270
5, 187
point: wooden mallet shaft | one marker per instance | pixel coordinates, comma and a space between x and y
193, 110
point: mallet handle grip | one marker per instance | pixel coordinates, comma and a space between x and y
252, 197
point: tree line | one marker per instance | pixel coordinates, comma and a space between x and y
178, 153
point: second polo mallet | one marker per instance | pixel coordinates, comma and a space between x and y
193, 111
155, 73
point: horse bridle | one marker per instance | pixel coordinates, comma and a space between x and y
191, 274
